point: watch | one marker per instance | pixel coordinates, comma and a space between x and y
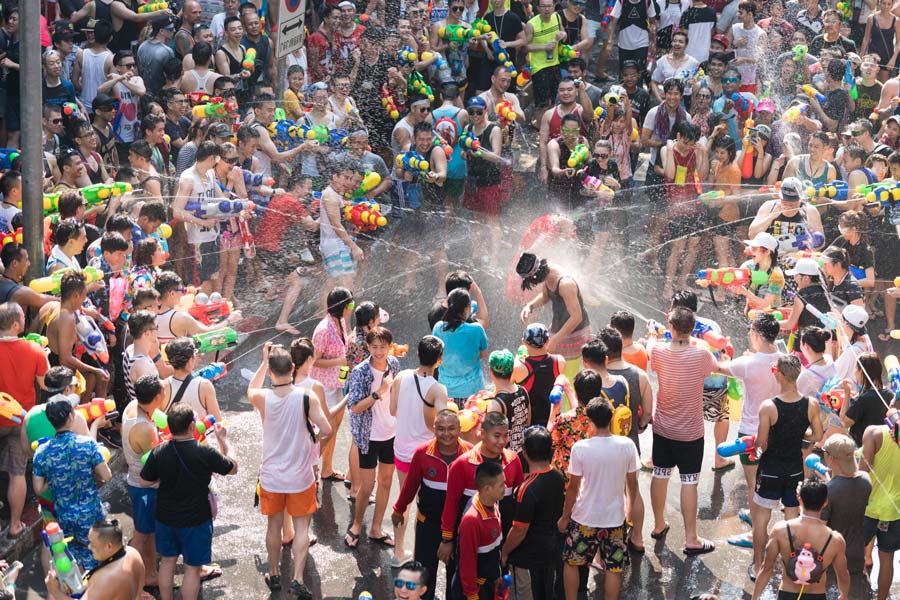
376, 396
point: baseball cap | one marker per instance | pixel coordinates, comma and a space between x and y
893, 119
347, 4
536, 335
766, 105
219, 130
90, 25
763, 240
791, 189
102, 100
719, 37
476, 102
841, 449
502, 362
58, 410
804, 266
62, 30
856, 317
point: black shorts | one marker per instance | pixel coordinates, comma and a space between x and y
783, 595
379, 452
684, 226
772, 488
545, 84
687, 456
639, 55
888, 534
206, 260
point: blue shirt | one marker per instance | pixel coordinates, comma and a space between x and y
67, 462
719, 106
461, 368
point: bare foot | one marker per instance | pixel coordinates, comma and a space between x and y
286, 327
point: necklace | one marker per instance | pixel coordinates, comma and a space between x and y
811, 518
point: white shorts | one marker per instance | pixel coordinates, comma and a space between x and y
333, 396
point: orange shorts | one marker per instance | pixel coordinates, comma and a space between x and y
298, 504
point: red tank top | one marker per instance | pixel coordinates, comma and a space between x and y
682, 191
556, 122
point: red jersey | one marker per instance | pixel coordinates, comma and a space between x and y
555, 124
428, 475
461, 484
683, 190
480, 538
282, 212
20, 363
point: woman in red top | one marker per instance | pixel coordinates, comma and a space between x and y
684, 167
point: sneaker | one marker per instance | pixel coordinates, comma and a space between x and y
396, 563
300, 590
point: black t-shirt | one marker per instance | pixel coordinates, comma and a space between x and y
10, 46
177, 130
867, 410
539, 503
846, 292
837, 106
819, 43
641, 103
507, 27
861, 256
814, 295
515, 407
182, 499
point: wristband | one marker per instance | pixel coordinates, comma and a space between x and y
157, 358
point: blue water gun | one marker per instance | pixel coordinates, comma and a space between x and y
8, 156
808, 240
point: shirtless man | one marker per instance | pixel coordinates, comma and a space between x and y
120, 575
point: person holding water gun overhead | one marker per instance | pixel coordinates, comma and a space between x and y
567, 157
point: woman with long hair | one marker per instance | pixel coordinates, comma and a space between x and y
465, 344
870, 406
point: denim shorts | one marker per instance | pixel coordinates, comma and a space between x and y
143, 508
193, 543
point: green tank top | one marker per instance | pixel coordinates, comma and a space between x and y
543, 33
885, 481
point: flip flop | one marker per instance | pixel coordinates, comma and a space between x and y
885, 336
632, 547
741, 541
215, 573
385, 540
335, 476
658, 535
744, 515
354, 538
726, 467
706, 548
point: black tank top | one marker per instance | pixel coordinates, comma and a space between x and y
234, 63
127, 34
486, 173
634, 13
784, 452
542, 372
7, 289
560, 314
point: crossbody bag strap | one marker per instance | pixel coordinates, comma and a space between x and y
419, 390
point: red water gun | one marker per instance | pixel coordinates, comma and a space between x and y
203, 98
96, 408
8, 238
210, 309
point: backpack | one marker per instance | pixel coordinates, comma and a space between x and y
448, 130
622, 416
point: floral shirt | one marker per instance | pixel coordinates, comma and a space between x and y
141, 278
360, 386
358, 350
774, 286
67, 462
332, 344
567, 429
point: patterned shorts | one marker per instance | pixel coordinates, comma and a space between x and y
339, 264
715, 404
583, 542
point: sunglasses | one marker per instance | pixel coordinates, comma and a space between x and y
127, 66
857, 133
458, 9
423, 109
182, 101
601, 156
568, 129
410, 585
231, 160
730, 80
475, 113
56, 121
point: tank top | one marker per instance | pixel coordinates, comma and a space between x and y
456, 166
395, 147
204, 190
132, 458
265, 163
164, 326
287, 452
262, 60
784, 452
543, 34
553, 128
572, 28
486, 174
786, 229
129, 358
542, 373
681, 191
560, 313
127, 34
8, 287
191, 394
633, 379
92, 75
803, 172
329, 243
411, 430
515, 407
234, 62
201, 81
885, 480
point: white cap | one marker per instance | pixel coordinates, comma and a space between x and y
763, 240
804, 266
855, 316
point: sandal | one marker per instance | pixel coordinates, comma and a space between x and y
353, 542
885, 336
215, 571
704, 549
335, 476
726, 467
658, 535
385, 540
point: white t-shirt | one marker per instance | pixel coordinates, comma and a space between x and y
685, 71
810, 381
633, 37
650, 123
750, 50
7, 213
755, 371
846, 362
383, 424
602, 463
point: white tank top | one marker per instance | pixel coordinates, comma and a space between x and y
287, 453
307, 385
395, 147
191, 394
411, 431
164, 326
265, 163
132, 458
204, 191
93, 75
201, 81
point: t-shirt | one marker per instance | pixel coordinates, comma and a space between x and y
539, 504
151, 57
182, 498
845, 512
67, 462
861, 256
837, 106
283, 212
819, 43
515, 406
21, 362
846, 292
867, 409
59, 94
602, 463
813, 295
867, 99
686, 70
700, 23
679, 402
633, 32
811, 378
755, 371
461, 367
383, 423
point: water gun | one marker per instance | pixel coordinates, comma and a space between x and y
413, 162
599, 113
833, 399
469, 142
501, 55
36, 338
8, 156
734, 391
337, 137
440, 142
364, 596
893, 372
96, 408
152, 7
524, 76
365, 215
67, 572
248, 63
747, 160
742, 104
10, 409
808, 240
742, 445
210, 309
218, 209
799, 52
212, 371
481, 27
506, 113
560, 386
845, 10
371, 180
455, 33
216, 110
204, 427
399, 350
50, 284
90, 339
285, 133
389, 104
812, 92
213, 341
814, 462
566, 52
884, 195
406, 56
254, 180
707, 197
780, 314
203, 98
502, 592
10, 237
316, 132
657, 329
579, 155
827, 320
99, 192
836, 190
593, 183
714, 340
201, 428
733, 276
794, 112
246, 237
417, 85
161, 421
70, 109
607, 14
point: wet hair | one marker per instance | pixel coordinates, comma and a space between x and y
144, 251
681, 32
415, 566
726, 142
119, 223
493, 420
856, 152
836, 69
718, 57
109, 531
147, 388
600, 412
113, 242
487, 473
457, 302
854, 218
72, 283
673, 83
337, 301
379, 334
538, 445
687, 130
815, 338
430, 350
180, 417
789, 366
150, 121
301, 350
68, 229
201, 53
814, 493
365, 313
140, 322
747, 6
280, 362
9, 182
766, 325
69, 203
180, 351
594, 352
570, 118
121, 55
869, 371
56, 380
167, 281
838, 256
623, 322
207, 150
153, 211
11, 253
526, 264
145, 297
587, 384
457, 279
612, 339
682, 320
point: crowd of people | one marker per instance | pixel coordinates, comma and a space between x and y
187, 167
